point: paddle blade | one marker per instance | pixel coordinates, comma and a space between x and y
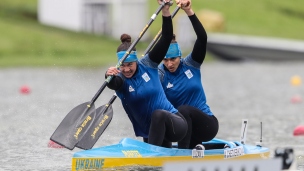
74, 126
103, 118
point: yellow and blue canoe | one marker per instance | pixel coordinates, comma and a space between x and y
130, 152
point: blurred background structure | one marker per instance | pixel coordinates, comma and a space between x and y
101, 17
112, 18
85, 33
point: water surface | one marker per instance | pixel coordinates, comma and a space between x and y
257, 91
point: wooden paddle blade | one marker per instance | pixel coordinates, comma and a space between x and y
104, 115
74, 126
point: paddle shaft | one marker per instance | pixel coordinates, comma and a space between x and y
109, 78
158, 35
111, 100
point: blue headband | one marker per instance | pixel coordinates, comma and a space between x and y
131, 58
173, 51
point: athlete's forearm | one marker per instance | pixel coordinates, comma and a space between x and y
160, 49
199, 49
115, 83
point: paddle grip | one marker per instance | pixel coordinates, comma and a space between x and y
98, 92
158, 35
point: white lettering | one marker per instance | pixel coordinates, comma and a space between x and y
234, 152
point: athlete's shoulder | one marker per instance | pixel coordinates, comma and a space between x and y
188, 60
146, 61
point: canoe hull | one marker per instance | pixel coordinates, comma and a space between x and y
136, 153
99, 163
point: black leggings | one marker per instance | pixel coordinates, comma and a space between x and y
165, 128
201, 127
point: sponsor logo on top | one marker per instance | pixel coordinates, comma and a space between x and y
169, 85
189, 74
131, 89
146, 77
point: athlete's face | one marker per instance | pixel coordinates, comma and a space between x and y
128, 69
171, 63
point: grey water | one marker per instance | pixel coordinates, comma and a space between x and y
253, 90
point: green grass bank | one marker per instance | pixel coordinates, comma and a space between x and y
25, 42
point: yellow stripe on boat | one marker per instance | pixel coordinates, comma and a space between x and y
86, 164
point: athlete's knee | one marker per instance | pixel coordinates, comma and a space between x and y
159, 114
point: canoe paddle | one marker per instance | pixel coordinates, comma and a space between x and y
104, 113
76, 123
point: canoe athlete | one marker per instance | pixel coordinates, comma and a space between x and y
181, 81
137, 85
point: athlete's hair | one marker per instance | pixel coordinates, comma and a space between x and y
125, 43
173, 39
